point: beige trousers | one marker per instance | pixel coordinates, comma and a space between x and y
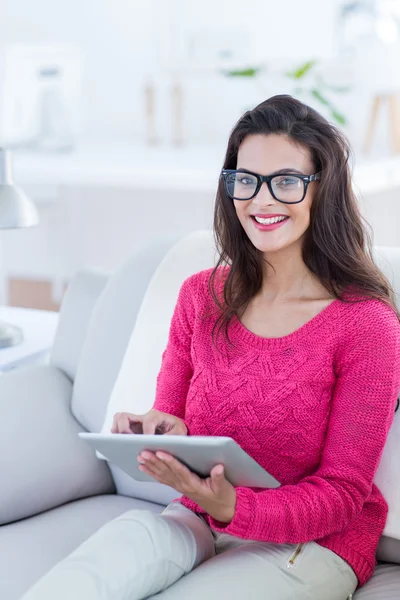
177, 555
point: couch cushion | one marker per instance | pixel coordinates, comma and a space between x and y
387, 478
31, 547
76, 309
383, 585
388, 260
43, 462
388, 550
109, 330
135, 387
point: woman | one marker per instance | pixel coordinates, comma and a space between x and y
291, 346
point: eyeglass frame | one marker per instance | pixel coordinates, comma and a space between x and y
267, 179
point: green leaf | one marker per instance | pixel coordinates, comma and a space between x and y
339, 117
317, 94
250, 72
301, 71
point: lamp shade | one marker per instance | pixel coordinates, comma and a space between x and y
16, 209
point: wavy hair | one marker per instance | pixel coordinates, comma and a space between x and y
337, 246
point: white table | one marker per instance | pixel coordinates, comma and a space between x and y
39, 328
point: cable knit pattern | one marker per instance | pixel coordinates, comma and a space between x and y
313, 408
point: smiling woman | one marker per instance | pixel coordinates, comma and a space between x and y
321, 248
306, 383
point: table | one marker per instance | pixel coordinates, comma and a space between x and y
39, 328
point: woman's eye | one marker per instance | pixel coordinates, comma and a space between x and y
284, 182
245, 180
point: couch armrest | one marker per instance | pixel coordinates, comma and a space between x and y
79, 300
43, 461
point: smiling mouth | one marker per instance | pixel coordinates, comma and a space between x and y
280, 220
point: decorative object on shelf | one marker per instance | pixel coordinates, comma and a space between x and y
54, 124
174, 90
177, 114
40, 96
370, 40
391, 101
150, 107
377, 67
354, 22
16, 211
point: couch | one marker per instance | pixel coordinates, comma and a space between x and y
55, 492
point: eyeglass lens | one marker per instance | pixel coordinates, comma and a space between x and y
285, 187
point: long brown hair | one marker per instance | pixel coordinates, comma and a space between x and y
337, 245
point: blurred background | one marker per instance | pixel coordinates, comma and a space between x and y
118, 112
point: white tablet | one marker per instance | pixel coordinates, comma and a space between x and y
199, 453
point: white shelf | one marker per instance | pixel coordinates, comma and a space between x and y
188, 168
123, 165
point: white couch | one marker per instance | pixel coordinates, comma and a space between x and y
54, 491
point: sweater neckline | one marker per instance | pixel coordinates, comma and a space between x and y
329, 312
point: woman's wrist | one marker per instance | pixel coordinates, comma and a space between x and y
220, 511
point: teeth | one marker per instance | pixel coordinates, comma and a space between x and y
269, 221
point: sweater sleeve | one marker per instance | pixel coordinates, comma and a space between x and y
176, 370
362, 409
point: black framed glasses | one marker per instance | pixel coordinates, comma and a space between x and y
289, 188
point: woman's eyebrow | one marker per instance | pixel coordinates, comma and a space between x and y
285, 170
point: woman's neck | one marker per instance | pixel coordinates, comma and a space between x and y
288, 278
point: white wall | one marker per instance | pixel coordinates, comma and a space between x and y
127, 40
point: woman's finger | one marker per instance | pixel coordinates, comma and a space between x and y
151, 459
218, 478
173, 463
156, 468
190, 480
114, 426
150, 423
124, 424
177, 429
135, 424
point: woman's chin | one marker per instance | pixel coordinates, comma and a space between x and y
271, 245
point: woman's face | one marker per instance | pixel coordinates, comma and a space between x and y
267, 154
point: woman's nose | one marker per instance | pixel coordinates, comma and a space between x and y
264, 196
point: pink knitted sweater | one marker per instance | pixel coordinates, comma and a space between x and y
313, 408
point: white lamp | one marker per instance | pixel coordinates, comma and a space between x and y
16, 210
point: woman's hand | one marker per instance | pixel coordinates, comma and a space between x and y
215, 494
154, 421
